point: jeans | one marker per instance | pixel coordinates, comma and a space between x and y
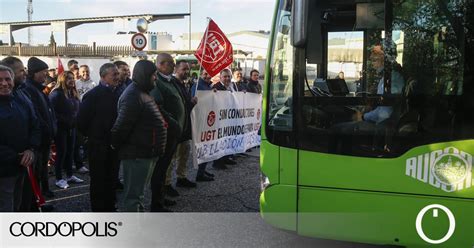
64, 152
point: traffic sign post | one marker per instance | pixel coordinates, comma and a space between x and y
139, 41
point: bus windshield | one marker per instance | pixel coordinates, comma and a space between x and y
377, 79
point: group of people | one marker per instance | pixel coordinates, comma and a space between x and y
140, 124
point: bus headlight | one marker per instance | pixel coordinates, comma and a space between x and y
264, 182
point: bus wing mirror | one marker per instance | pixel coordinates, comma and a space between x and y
299, 30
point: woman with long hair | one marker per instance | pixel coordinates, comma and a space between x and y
65, 100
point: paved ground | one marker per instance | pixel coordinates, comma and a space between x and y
236, 189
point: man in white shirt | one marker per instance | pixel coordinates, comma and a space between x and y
84, 83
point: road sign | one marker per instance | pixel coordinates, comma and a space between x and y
139, 41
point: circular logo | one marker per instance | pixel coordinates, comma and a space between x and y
139, 41
211, 118
435, 207
258, 114
215, 47
450, 169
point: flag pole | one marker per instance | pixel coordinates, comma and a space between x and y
203, 52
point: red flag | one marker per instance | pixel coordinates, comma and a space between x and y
215, 52
60, 66
36, 189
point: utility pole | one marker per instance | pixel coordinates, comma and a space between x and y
29, 10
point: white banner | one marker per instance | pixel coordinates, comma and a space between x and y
225, 123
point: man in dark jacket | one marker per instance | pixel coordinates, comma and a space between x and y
123, 77
37, 72
96, 117
253, 85
224, 84
182, 153
238, 80
139, 133
204, 83
23, 190
19, 137
171, 102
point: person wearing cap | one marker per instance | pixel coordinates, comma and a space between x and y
37, 72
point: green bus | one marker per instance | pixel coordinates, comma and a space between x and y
368, 121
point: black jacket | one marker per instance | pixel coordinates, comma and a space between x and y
19, 131
188, 107
254, 87
64, 108
140, 129
219, 86
44, 112
97, 113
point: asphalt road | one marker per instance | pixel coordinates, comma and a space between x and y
236, 189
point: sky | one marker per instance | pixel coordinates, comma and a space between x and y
230, 15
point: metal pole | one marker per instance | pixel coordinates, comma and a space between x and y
203, 51
189, 38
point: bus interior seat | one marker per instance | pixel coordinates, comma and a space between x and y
337, 87
320, 84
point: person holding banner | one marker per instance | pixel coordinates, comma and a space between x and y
238, 80
139, 134
169, 98
204, 83
253, 86
224, 84
19, 137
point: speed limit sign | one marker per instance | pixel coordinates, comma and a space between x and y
139, 41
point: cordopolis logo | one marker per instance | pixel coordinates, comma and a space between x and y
449, 169
64, 229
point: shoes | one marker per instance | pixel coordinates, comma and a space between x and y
170, 191
219, 165
47, 208
185, 183
229, 161
48, 193
208, 174
168, 202
74, 179
83, 170
204, 178
62, 184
